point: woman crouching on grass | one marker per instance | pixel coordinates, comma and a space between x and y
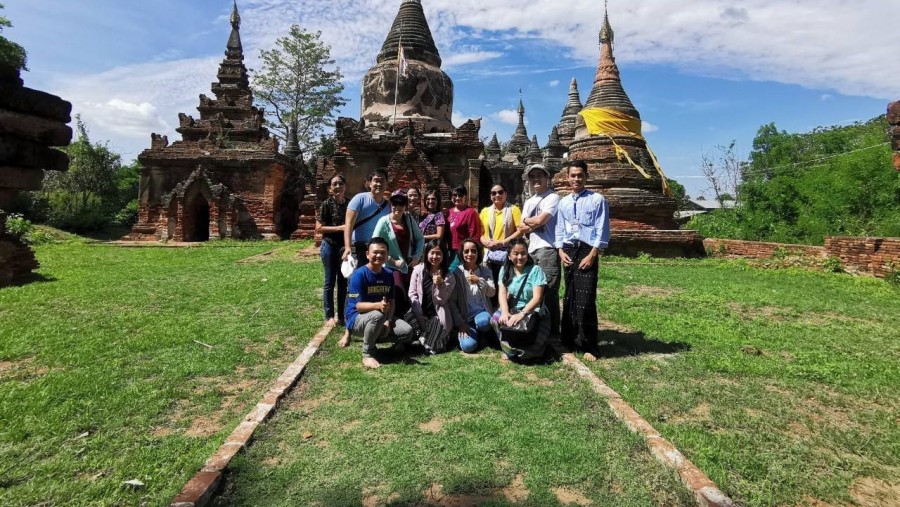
477, 283
431, 288
522, 285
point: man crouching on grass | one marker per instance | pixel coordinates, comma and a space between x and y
370, 305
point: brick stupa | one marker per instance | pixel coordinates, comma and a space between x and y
415, 140
225, 178
641, 212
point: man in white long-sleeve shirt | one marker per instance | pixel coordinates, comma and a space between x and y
582, 233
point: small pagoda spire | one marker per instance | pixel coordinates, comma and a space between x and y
573, 105
234, 49
534, 155
494, 145
520, 128
292, 148
519, 141
553, 140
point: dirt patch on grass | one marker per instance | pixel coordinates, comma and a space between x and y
570, 496
809, 501
208, 423
375, 496
636, 291
872, 492
747, 312
831, 318
307, 254
436, 425
612, 326
516, 492
21, 370
698, 414
263, 257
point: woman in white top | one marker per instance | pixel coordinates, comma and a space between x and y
475, 279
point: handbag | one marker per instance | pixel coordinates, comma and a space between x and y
433, 336
524, 333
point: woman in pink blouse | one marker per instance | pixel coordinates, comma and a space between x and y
464, 223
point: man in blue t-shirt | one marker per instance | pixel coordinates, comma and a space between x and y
363, 213
370, 305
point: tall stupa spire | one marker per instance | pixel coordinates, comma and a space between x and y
519, 142
607, 91
234, 49
418, 44
606, 31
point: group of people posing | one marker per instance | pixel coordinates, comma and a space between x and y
462, 278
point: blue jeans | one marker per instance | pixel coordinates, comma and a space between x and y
331, 260
478, 325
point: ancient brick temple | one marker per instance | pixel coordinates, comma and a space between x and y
406, 126
641, 211
225, 178
893, 114
31, 122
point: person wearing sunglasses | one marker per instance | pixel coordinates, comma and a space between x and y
500, 225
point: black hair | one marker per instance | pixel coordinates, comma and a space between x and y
338, 176
479, 258
581, 164
445, 258
460, 190
377, 240
501, 185
508, 268
437, 198
377, 172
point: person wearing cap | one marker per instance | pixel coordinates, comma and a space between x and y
582, 233
539, 226
405, 244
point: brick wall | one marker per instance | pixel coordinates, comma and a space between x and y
872, 256
757, 249
893, 114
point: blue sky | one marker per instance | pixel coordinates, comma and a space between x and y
702, 72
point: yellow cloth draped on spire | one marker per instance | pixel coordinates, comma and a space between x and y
609, 122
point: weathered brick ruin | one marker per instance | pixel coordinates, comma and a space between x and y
31, 122
225, 178
641, 212
870, 256
893, 115
415, 140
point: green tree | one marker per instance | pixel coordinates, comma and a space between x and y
87, 195
298, 87
11, 54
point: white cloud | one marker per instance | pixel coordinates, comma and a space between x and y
507, 116
460, 59
554, 83
761, 40
647, 127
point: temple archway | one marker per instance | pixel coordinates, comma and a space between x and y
196, 219
485, 182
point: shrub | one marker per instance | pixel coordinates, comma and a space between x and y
18, 226
128, 215
833, 265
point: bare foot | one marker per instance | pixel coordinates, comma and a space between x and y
345, 339
371, 362
590, 357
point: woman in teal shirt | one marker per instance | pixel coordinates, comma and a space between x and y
521, 296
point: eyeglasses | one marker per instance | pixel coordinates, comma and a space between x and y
498, 192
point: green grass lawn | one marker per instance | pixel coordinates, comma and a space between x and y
446, 430
102, 378
780, 385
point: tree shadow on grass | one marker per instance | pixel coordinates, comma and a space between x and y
618, 343
30, 279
